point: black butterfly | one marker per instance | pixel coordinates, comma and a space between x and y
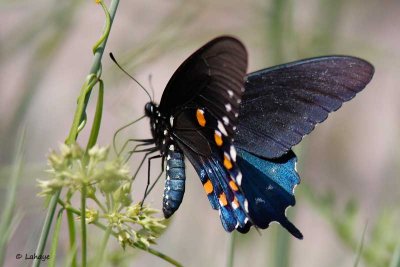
237, 130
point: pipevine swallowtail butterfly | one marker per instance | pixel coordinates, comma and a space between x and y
237, 129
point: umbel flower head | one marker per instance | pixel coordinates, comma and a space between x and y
108, 184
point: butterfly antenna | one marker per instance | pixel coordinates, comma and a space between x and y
119, 66
151, 85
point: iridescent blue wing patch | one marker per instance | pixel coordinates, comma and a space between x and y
269, 188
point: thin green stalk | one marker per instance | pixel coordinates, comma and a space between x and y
7, 215
162, 256
96, 67
46, 227
97, 118
361, 246
100, 258
83, 225
231, 250
276, 29
395, 261
54, 243
72, 239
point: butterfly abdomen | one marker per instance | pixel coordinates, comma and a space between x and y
175, 183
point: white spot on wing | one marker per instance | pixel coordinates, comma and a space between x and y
226, 120
230, 92
233, 153
239, 178
246, 205
228, 107
234, 205
221, 128
172, 147
171, 120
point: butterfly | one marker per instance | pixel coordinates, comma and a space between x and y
237, 129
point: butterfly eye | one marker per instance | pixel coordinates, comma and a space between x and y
149, 109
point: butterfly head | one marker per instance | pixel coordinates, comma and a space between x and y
151, 109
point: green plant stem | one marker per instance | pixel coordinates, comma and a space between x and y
7, 215
101, 253
276, 29
231, 250
46, 227
97, 118
361, 246
71, 233
161, 255
96, 66
395, 261
83, 225
54, 243
281, 248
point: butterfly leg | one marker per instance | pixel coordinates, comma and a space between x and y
149, 151
134, 150
142, 141
148, 175
155, 182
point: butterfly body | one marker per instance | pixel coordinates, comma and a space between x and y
160, 128
237, 129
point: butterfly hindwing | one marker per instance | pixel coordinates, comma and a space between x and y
283, 103
269, 188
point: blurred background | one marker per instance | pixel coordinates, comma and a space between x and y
349, 165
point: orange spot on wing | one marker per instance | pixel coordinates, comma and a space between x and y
233, 185
208, 187
222, 199
218, 138
200, 117
227, 162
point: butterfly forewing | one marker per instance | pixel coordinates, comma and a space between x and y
212, 77
282, 104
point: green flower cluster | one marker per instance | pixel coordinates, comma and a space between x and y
108, 184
